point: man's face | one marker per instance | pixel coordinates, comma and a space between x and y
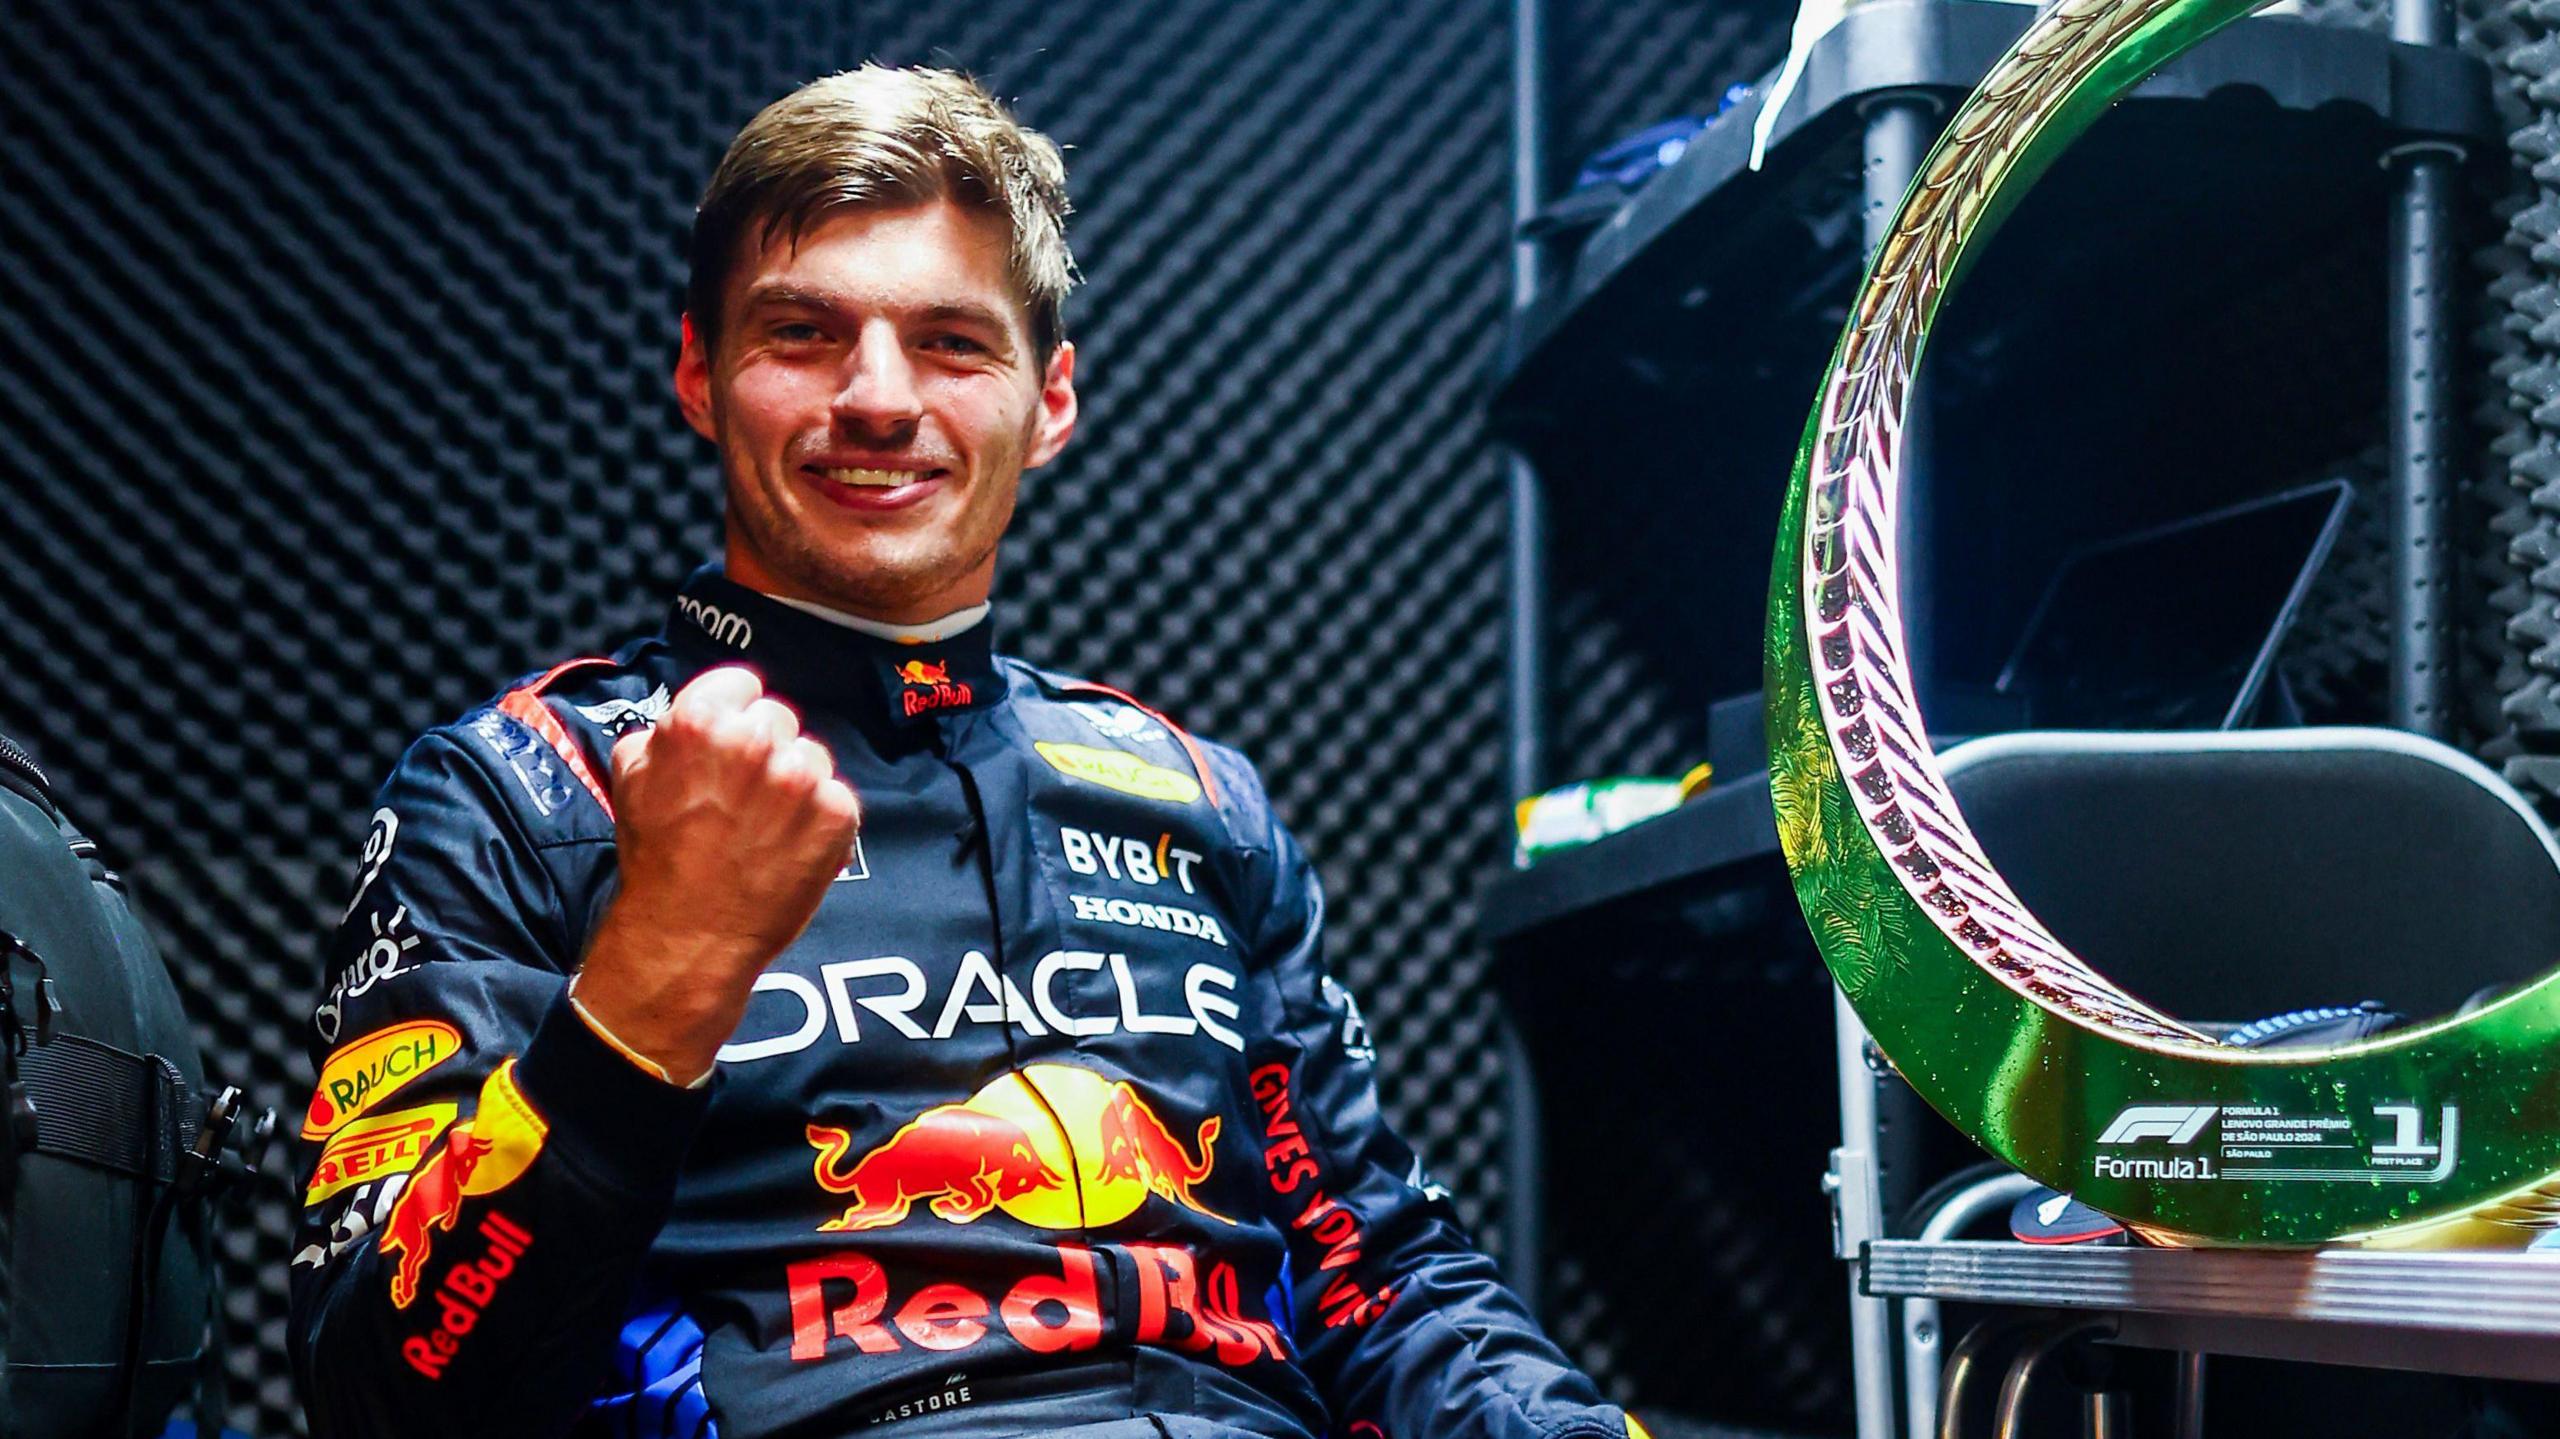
875, 397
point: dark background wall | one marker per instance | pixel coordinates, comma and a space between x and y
332, 357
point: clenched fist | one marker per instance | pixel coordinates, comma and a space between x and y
730, 825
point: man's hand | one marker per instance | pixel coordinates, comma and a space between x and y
730, 826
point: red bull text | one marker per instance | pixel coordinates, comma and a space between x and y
467, 1289
847, 1297
929, 687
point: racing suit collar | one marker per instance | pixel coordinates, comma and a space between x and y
882, 683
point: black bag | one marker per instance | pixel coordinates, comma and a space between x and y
106, 1155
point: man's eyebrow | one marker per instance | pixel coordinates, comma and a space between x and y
961, 312
788, 293
785, 292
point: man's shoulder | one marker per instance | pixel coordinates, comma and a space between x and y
1077, 712
540, 746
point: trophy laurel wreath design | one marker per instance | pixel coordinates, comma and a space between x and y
2447, 1133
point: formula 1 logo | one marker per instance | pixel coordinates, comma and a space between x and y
2175, 1123
1000, 1150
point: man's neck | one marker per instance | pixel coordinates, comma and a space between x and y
927, 633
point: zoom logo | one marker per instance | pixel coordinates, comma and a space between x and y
726, 627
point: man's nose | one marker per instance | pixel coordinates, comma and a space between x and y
879, 394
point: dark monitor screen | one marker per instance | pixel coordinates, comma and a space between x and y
2177, 627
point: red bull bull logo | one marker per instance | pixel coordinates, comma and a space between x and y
930, 687
1008, 1147
481, 1156
1136, 1146
956, 1160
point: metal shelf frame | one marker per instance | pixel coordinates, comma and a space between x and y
2492, 1316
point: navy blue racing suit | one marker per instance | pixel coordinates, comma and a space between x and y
1053, 1118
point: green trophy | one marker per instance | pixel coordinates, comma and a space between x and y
2449, 1131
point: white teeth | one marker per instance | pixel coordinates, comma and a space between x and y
887, 479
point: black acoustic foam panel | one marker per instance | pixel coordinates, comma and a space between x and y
335, 343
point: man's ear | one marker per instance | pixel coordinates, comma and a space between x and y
1057, 418
693, 384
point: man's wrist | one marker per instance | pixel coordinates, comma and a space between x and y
615, 1042
665, 1005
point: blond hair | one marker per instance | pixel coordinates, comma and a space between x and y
891, 137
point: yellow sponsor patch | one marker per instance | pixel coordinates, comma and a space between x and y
377, 1147
366, 1071
1114, 769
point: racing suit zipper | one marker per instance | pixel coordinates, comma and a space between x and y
977, 838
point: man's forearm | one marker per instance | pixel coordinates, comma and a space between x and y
498, 1281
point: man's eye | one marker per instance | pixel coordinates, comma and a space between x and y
798, 332
956, 345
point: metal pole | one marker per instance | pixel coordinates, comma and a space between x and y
1525, 768
2424, 356
1857, 1212
2187, 1414
1524, 1172
1899, 130
1525, 737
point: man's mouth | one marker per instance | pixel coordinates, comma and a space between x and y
868, 487
875, 479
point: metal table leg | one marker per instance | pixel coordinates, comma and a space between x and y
2008, 1419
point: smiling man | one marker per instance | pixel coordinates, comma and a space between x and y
807, 1018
